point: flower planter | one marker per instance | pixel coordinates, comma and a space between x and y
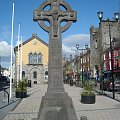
88, 99
21, 94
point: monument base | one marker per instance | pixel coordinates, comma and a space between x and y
56, 106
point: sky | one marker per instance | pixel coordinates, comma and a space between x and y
78, 33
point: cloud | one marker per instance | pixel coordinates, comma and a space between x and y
69, 43
5, 64
4, 49
5, 31
67, 49
5, 52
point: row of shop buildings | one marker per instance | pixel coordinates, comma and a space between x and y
105, 47
96, 61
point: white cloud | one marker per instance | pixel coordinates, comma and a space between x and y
5, 52
69, 43
68, 50
5, 31
4, 49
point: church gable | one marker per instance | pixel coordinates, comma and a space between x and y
32, 41
34, 47
35, 44
35, 38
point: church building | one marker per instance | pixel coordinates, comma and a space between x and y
31, 60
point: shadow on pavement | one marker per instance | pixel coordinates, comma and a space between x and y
11, 102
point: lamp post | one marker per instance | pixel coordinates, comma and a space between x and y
71, 69
116, 17
86, 46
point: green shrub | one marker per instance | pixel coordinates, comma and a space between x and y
21, 86
88, 89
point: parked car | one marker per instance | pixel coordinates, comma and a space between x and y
116, 85
5, 79
8, 80
107, 84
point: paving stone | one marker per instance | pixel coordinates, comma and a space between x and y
104, 109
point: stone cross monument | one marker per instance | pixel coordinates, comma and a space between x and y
56, 104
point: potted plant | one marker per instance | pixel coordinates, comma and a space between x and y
21, 89
88, 95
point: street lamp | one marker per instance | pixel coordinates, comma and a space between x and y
77, 46
71, 69
100, 15
86, 47
116, 17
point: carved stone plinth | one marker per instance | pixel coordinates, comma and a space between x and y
56, 106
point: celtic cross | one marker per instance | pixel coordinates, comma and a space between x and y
55, 16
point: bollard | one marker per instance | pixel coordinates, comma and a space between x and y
83, 118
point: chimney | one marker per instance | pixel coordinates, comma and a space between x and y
34, 35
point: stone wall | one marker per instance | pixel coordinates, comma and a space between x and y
30, 69
94, 56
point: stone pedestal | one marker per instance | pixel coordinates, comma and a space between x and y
56, 106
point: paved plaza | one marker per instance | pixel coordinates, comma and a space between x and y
104, 109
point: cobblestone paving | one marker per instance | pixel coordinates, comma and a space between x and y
104, 109
28, 107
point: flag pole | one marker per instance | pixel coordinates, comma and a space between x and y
11, 49
21, 60
18, 76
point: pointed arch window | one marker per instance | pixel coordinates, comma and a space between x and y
39, 58
35, 75
35, 58
46, 72
30, 58
23, 74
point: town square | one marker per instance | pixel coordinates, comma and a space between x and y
60, 60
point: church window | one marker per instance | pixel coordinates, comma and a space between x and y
23, 74
30, 58
35, 58
46, 72
35, 75
39, 58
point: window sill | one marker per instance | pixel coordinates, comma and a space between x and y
35, 64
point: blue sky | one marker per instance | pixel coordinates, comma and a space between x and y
78, 32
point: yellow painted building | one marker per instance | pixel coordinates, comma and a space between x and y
31, 59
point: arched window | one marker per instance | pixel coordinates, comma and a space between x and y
35, 58
46, 72
35, 75
30, 58
23, 74
39, 58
